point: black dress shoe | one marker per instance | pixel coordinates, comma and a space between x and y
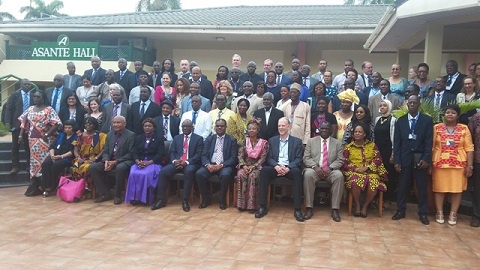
398, 215
159, 204
336, 215
204, 204
475, 221
308, 213
261, 212
223, 206
117, 201
424, 219
103, 198
185, 206
298, 215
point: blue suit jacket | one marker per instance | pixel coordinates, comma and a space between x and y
404, 148
448, 98
98, 77
230, 150
295, 152
206, 106
195, 149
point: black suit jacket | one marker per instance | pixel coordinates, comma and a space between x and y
447, 98
14, 108
173, 125
125, 147
134, 121
98, 77
63, 98
195, 149
295, 152
107, 115
255, 78
132, 82
206, 89
64, 115
270, 129
124, 81
404, 148
230, 150
457, 86
154, 150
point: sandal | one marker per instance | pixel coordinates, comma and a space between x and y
452, 219
439, 218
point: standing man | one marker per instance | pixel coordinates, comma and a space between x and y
185, 157
184, 65
103, 90
250, 75
121, 76
116, 108
269, 116
155, 78
141, 110
18, 103
247, 94
202, 123
284, 160
323, 160
340, 78
142, 82
308, 81
453, 79
374, 102
236, 82
441, 97
298, 113
267, 66
221, 112
219, 157
322, 67
412, 148
96, 73
134, 78
206, 87
281, 79
366, 76
116, 161
72, 80
295, 67
187, 101
170, 123
57, 95
374, 87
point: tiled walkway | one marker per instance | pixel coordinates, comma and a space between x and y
38, 233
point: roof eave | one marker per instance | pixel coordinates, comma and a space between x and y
384, 25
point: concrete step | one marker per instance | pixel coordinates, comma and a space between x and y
20, 179
6, 165
7, 154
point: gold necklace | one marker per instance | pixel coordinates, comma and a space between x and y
382, 121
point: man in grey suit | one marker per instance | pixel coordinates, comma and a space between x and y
317, 168
116, 161
374, 102
72, 80
116, 108
187, 101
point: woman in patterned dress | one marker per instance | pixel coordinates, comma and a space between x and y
344, 115
237, 124
40, 122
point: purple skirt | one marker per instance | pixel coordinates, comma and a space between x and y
141, 183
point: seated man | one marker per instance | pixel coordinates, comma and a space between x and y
284, 160
116, 161
323, 159
185, 156
219, 157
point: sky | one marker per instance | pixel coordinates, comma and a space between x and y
95, 7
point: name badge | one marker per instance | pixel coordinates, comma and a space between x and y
450, 143
281, 155
412, 136
244, 131
184, 151
317, 130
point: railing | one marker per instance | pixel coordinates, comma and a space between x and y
5, 90
106, 53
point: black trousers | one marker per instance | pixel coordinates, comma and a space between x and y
406, 175
166, 175
100, 176
51, 170
16, 149
225, 175
268, 174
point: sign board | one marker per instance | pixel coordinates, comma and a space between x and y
63, 49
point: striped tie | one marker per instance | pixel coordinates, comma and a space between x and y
325, 155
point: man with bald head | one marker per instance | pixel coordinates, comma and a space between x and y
57, 95
248, 94
295, 67
206, 87
250, 75
72, 80
96, 73
281, 78
202, 122
116, 161
186, 104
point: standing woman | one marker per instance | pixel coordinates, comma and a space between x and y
251, 155
169, 67
148, 152
319, 90
321, 116
182, 87
468, 93
398, 84
361, 115
384, 132
224, 88
165, 91
452, 162
222, 75
73, 111
41, 122
344, 115
86, 91
237, 124
285, 97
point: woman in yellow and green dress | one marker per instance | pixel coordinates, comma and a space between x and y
237, 124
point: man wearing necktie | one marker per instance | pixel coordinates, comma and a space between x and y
202, 122
221, 111
18, 102
141, 110
441, 97
453, 79
307, 80
116, 108
57, 95
184, 157
96, 73
168, 122
374, 101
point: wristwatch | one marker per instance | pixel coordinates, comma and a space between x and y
471, 167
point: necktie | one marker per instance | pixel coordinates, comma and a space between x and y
325, 155
412, 127
55, 99
142, 110
278, 80
115, 111
219, 114
70, 80
26, 102
305, 81
165, 128
185, 148
437, 100
93, 73
194, 117
219, 150
449, 81
121, 74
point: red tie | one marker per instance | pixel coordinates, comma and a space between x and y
185, 148
325, 155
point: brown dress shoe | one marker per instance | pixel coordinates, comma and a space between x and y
308, 213
335, 215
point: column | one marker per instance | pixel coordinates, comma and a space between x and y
433, 49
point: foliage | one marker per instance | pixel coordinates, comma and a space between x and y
427, 107
369, 2
41, 10
151, 5
6, 15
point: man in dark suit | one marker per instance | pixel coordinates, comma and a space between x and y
250, 75
185, 157
206, 87
269, 116
155, 79
307, 80
284, 160
453, 79
219, 157
116, 161
412, 148
441, 97
116, 108
188, 75
236, 82
281, 78
72, 80
167, 123
57, 95
141, 110
18, 102
134, 78
121, 76
96, 73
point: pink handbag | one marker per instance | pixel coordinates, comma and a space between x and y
70, 190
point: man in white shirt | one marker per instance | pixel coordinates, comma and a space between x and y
135, 92
322, 67
202, 122
366, 77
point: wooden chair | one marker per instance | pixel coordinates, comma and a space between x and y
380, 203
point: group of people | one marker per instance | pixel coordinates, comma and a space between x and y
145, 127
